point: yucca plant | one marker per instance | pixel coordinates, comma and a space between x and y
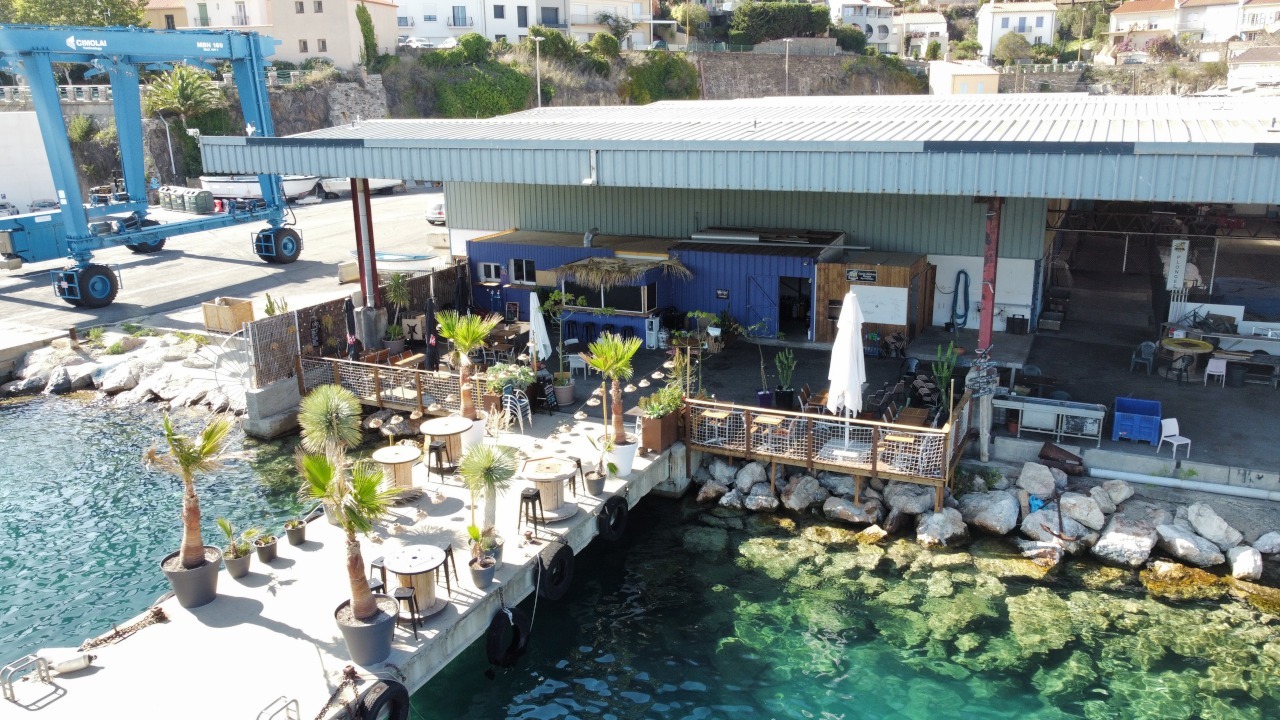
330, 421
467, 332
611, 355
396, 294
185, 458
487, 470
358, 502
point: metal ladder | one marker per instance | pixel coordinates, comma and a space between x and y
14, 670
281, 705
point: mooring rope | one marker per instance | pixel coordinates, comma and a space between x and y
153, 616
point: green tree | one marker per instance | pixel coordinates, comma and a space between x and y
611, 356
183, 91
662, 76
933, 51
606, 45
849, 38
689, 14
186, 457
468, 333
966, 49
619, 27
1010, 48
99, 13
760, 21
368, 38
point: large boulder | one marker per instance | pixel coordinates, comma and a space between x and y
711, 492
120, 378
1103, 498
760, 499
1083, 509
1146, 512
805, 492
1073, 537
749, 475
1044, 554
24, 386
1060, 479
909, 498
732, 499
1188, 547
940, 529
1246, 562
994, 513
59, 382
1125, 542
1037, 480
1213, 528
723, 472
1268, 544
837, 484
845, 510
1119, 490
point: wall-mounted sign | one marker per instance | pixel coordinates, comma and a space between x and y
1177, 264
722, 294
861, 276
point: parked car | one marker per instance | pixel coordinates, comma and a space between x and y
658, 44
39, 205
416, 43
435, 213
8, 208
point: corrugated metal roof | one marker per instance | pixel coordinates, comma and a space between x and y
809, 251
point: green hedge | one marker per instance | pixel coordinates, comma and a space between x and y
482, 90
662, 76
761, 21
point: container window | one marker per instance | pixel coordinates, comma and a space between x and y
522, 272
490, 272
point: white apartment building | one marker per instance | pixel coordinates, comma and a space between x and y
917, 30
1035, 21
1136, 23
435, 21
1259, 16
965, 77
874, 17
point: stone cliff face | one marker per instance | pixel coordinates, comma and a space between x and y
745, 75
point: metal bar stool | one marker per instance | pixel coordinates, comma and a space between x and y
573, 479
449, 562
530, 509
376, 564
628, 332
569, 330
437, 451
406, 593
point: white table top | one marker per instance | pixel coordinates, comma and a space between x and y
414, 559
443, 426
397, 454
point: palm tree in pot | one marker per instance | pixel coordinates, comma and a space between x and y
468, 333
611, 355
367, 621
486, 471
330, 421
239, 551
193, 570
396, 294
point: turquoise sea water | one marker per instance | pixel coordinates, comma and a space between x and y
83, 526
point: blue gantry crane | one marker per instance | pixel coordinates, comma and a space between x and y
119, 216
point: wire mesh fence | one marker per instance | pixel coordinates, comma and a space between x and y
428, 391
273, 348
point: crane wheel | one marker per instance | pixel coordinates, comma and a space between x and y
287, 245
98, 286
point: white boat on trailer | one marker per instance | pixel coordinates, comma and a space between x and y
333, 187
245, 187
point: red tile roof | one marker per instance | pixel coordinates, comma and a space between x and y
1144, 6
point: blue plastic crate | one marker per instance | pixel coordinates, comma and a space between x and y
1137, 420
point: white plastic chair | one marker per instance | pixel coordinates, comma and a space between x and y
576, 365
1216, 366
1169, 434
516, 404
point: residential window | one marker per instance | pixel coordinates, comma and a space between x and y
499, 12
1038, 41
522, 272
299, 7
1004, 22
319, 6
428, 18
522, 16
1022, 24
402, 21
169, 23
322, 45
490, 272
1039, 21
302, 46
499, 38
459, 16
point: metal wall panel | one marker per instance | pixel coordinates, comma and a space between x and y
899, 223
735, 272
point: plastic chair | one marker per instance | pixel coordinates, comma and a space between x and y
516, 404
1179, 367
1169, 434
1216, 366
1144, 355
576, 364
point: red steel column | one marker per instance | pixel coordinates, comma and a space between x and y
990, 256
364, 242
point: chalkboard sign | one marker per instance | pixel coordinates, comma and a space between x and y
862, 276
511, 312
549, 393
315, 332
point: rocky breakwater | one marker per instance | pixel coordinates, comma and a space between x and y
1045, 517
174, 369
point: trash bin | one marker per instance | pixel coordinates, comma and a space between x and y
1235, 375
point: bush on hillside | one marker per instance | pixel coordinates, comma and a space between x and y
605, 45
555, 45
762, 21
966, 50
662, 76
933, 51
850, 38
482, 90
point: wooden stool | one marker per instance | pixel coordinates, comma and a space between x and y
530, 509
406, 593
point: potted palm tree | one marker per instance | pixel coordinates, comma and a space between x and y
486, 471
193, 570
611, 355
397, 296
468, 333
594, 479
265, 545
330, 421
238, 554
482, 564
296, 529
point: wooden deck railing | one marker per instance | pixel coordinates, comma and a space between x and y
427, 391
861, 448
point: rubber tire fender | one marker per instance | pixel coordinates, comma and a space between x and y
507, 637
384, 698
553, 573
612, 520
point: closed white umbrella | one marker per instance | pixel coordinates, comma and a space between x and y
539, 340
848, 366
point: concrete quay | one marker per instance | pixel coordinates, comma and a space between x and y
272, 634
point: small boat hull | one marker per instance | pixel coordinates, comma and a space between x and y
246, 187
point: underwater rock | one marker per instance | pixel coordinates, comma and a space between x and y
732, 499
824, 534
1069, 679
1103, 577
871, 535
1036, 621
995, 513
940, 529
996, 559
1043, 524
836, 484
1083, 510
903, 553
1119, 490
711, 492
1246, 562
777, 558
1046, 555
909, 498
803, 494
1037, 480
705, 540
120, 378
749, 475
948, 617
837, 508
1268, 544
1188, 547
1173, 581
723, 472
1213, 528
715, 521
1125, 541
1103, 498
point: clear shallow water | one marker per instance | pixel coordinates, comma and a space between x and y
782, 623
83, 525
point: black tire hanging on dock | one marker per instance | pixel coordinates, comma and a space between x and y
554, 571
507, 638
612, 520
385, 699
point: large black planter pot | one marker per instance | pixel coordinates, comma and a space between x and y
369, 643
784, 399
764, 398
238, 567
198, 586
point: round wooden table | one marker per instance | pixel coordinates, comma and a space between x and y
397, 464
450, 430
1187, 346
415, 566
549, 476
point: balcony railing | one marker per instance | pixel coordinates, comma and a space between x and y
461, 22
